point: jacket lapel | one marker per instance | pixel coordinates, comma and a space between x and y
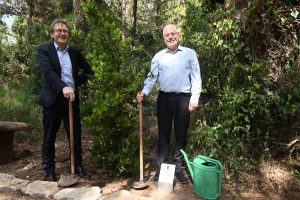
54, 57
73, 61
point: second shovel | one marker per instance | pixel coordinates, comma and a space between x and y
141, 184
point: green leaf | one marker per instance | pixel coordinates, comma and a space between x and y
295, 13
282, 20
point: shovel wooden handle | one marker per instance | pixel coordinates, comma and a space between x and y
141, 140
71, 137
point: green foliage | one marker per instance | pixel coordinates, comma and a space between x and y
249, 56
19, 82
111, 104
19, 58
17, 105
19, 73
246, 103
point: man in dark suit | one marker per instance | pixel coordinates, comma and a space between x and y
60, 65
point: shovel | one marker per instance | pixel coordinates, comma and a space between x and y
68, 180
141, 184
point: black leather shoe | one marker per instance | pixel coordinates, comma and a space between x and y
156, 176
50, 175
81, 172
181, 177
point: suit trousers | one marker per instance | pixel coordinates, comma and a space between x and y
172, 107
52, 118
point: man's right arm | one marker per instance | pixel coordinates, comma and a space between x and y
151, 78
149, 82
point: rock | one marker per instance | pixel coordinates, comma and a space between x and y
124, 195
91, 193
11, 183
4, 177
44, 189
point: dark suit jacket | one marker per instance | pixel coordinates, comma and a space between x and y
50, 68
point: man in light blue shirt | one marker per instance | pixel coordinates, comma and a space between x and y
66, 66
178, 72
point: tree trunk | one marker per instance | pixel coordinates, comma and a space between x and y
133, 31
123, 18
79, 19
30, 10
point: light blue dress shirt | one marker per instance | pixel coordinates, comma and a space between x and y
176, 72
66, 66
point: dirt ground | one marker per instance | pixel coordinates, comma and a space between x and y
27, 165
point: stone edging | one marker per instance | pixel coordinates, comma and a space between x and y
51, 190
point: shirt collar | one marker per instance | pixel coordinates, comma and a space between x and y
58, 49
179, 48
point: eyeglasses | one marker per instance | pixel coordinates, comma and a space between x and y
62, 30
172, 34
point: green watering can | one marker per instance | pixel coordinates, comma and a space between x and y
207, 176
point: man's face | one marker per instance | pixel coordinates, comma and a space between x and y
60, 34
171, 38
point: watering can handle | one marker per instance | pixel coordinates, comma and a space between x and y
220, 171
188, 163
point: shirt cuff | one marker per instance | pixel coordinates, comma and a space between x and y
146, 92
194, 99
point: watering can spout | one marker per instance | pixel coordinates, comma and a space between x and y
188, 163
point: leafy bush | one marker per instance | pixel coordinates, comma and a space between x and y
110, 104
247, 100
17, 105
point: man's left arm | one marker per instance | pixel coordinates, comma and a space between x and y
196, 82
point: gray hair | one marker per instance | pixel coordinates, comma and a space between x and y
171, 26
58, 21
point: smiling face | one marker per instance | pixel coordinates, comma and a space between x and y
60, 35
171, 37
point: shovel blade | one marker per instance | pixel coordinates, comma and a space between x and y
140, 185
67, 180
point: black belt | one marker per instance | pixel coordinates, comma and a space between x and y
175, 93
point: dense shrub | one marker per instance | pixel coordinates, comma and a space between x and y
111, 102
250, 90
